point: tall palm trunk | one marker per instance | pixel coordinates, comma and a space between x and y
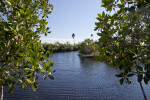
73, 35
74, 41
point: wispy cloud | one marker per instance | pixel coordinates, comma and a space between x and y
53, 40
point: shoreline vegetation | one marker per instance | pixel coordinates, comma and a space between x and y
87, 49
60, 47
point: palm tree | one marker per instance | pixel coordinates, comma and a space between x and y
91, 36
73, 35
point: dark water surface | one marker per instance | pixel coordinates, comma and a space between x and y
80, 79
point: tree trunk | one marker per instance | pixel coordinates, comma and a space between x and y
143, 91
1, 92
74, 42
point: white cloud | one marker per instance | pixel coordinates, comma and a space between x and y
53, 40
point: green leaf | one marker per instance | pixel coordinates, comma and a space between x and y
130, 2
27, 69
53, 71
130, 75
132, 9
147, 75
42, 58
35, 48
52, 63
99, 34
1, 81
140, 77
47, 54
48, 68
49, 32
8, 3
146, 80
120, 5
51, 77
126, 72
45, 66
104, 32
28, 80
147, 66
123, 2
121, 81
99, 15
45, 33
147, 37
140, 68
36, 84
38, 70
103, 14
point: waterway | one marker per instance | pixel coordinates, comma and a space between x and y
80, 79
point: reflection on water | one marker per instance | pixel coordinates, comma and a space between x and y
80, 79
86, 61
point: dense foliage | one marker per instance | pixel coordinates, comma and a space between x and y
124, 38
59, 47
21, 22
87, 47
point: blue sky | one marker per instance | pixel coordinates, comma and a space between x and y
72, 16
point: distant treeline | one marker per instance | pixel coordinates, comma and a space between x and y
87, 47
59, 47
